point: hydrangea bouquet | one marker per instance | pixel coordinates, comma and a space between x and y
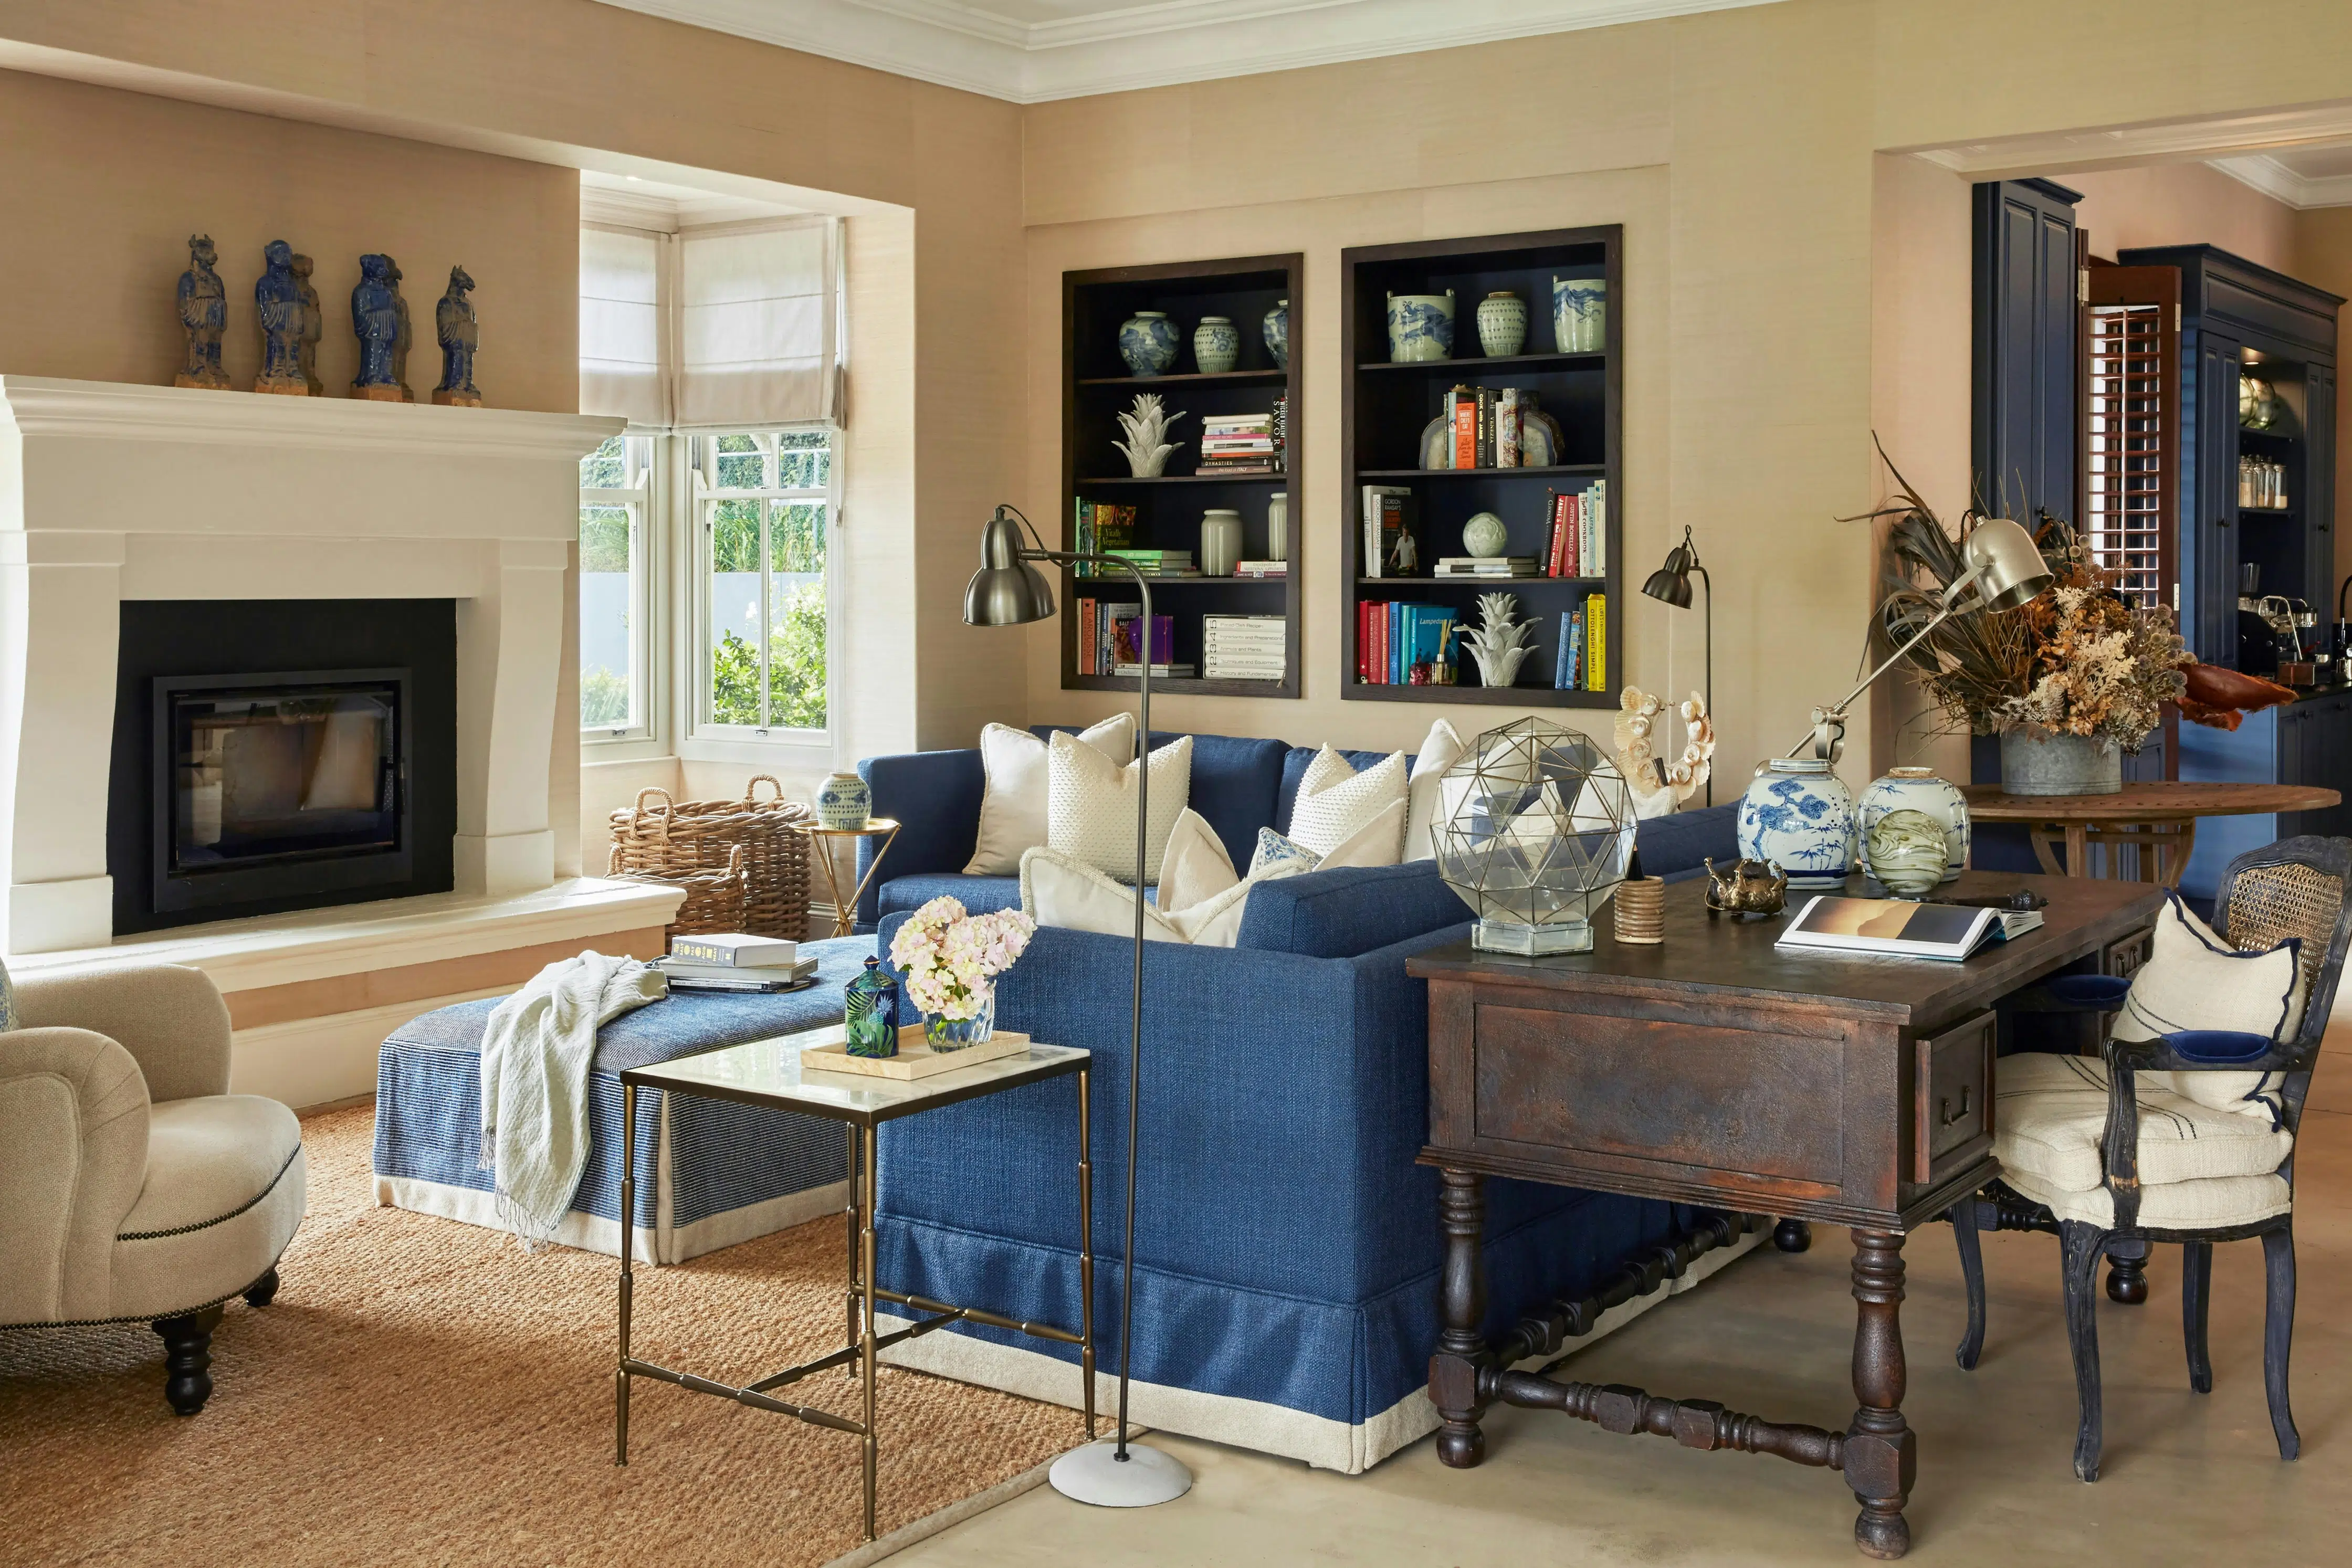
950, 960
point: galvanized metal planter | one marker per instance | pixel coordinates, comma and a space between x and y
2060, 765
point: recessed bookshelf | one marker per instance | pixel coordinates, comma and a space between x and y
1388, 406
1098, 386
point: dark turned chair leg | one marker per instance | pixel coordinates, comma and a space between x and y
2196, 1295
264, 1290
2127, 1272
2079, 1245
1971, 1248
1792, 1236
2278, 1331
187, 1359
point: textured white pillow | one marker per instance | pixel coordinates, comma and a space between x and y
1013, 807
1441, 748
1090, 803
1058, 889
1334, 802
2194, 981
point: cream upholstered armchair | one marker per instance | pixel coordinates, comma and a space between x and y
135, 1186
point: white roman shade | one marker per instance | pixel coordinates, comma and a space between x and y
622, 326
756, 325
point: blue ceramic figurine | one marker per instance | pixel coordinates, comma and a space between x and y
277, 300
314, 325
375, 320
204, 314
401, 338
460, 335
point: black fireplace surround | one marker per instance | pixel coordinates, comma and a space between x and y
272, 755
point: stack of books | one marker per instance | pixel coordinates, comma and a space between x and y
1487, 566
1400, 645
1244, 647
1580, 532
1155, 562
735, 963
1240, 444
1262, 568
1490, 426
1108, 640
1101, 527
1583, 665
1388, 516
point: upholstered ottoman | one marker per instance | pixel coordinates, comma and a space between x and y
710, 1173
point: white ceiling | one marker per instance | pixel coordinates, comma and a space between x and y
2299, 176
635, 202
1029, 51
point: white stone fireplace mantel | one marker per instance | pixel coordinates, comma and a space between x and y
111, 492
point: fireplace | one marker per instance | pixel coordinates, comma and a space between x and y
267, 786
274, 755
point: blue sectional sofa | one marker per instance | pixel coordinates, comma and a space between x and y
1288, 1247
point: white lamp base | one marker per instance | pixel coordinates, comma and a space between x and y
1096, 1475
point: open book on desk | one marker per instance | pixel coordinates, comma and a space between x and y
1950, 931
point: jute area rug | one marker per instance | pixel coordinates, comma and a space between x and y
424, 1392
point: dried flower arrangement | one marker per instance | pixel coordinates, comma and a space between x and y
2079, 660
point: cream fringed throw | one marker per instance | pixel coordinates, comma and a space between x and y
536, 1052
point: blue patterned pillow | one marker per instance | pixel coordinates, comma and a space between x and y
1273, 850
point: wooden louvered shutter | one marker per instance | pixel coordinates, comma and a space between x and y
2132, 428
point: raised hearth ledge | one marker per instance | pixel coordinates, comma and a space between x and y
312, 994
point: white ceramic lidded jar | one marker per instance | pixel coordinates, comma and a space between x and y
1798, 815
1277, 526
1216, 345
1220, 541
1919, 790
843, 802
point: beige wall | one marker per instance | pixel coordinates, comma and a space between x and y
2183, 204
102, 189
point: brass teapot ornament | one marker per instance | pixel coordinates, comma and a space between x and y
1747, 887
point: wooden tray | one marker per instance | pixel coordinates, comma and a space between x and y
915, 1060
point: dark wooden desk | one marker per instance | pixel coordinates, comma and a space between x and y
1717, 1069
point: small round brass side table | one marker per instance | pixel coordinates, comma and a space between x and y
844, 914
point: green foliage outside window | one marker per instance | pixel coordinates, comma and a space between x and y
605, 539
604, 698
796, 668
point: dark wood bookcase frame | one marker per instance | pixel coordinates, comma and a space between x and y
1096, 387
1384, 407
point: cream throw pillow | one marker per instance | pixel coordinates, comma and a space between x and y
1058, 889
1013, 807
2194, 981
1441, 748
1194, 866
1091, 804
1335, 803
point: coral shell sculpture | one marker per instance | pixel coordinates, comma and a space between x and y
1146, 425
1658, 789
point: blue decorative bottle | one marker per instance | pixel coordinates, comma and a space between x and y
870, 1013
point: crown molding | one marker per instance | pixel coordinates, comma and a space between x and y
1165, 44
2277, 181
2184, 140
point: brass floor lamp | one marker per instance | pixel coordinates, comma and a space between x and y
1008, 591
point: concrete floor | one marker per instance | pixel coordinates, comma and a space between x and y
2187, 1477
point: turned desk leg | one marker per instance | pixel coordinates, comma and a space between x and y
1462, 1301
1880, 1453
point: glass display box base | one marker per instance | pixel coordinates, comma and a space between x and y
1532, 941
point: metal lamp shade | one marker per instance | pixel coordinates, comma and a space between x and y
2008, 565
1006, 590
1670, 582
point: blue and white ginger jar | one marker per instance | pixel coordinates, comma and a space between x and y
1216, 345
1278, 334
1798, 815
1502, 325
843, 802
1421, 326
1148, 342
1580, 315
1919, 790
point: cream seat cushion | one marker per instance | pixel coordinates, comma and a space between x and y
2213, 1204
2050, 1111
1012, 806
1335, 803
225, 1190
1090, 807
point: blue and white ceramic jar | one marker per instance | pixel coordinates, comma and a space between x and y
1147, 341
1798, 815
843, 802
1421, 326
1278, 334
1502, 325
1919, 790
1580, 315
1217, 346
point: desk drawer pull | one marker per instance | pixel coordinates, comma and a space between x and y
1946, 1115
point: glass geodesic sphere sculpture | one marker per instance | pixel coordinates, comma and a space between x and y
1535, 831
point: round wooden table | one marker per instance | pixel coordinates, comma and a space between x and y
2158, 817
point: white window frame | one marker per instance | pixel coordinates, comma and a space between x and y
704, 739
646, 652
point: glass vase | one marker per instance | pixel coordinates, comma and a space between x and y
960, 1034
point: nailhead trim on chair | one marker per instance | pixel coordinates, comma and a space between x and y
137, 1317
218, 1218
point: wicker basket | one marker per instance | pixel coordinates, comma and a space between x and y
715, 899
665, 838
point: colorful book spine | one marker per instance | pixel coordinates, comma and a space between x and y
1506, 429
1465, 428
1596, 636
1087, 610
1565, 657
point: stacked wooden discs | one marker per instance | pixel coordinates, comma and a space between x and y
1641, 911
